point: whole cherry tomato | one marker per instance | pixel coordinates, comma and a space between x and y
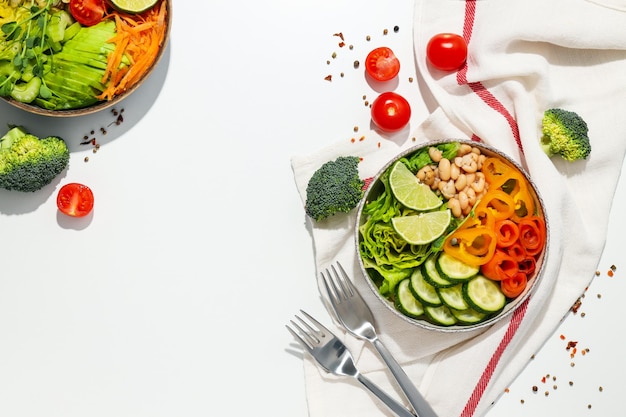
87, 12
447, 51
391, 112
75, 200
381, 64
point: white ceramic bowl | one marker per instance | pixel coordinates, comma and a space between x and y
376, 188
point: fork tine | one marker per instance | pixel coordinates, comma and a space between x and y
322, 330
331, 288
302, 342
308, 335
345, 280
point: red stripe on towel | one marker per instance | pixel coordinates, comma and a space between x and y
483, 382
488, 98
477, 87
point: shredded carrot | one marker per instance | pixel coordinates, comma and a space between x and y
138, 39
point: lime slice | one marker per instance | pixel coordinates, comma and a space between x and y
409, 191
423, 228
133, 6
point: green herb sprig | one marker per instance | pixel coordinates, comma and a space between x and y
28, 41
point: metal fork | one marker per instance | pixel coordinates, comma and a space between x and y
334, 357
354, 314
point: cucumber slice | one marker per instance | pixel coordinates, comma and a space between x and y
432, 275
406, 302
468, 316
440, 315
454, 269
484, 295
453, 297
424, 291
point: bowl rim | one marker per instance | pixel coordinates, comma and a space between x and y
102, 105
511, 306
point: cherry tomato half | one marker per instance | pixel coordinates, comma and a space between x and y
87, 12
381, 64
75, 200
447, 51
391, 112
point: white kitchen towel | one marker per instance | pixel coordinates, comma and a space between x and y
524, 57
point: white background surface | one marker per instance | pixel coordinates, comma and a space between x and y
171, 298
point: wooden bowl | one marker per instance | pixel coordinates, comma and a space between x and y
34, 109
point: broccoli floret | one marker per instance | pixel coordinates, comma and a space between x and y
334, 188
28, 163
565, 134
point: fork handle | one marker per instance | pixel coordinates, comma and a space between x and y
421, 407
390, 402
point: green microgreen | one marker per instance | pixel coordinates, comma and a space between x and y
29, 41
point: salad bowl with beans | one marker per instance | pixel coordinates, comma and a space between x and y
474, 267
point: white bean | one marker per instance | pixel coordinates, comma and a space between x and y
426, 175
479, 184
464, 149
447, 189
435, 154
469, 163
463, 200
471, 195
461, 182
455, 207
444, 169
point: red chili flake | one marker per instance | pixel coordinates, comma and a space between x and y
576, 306
342, 44
562, 337
367, 182
379, 144
543, 379
352, 140
506, 390
328, 77
571, 344
610, 273
339, 34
